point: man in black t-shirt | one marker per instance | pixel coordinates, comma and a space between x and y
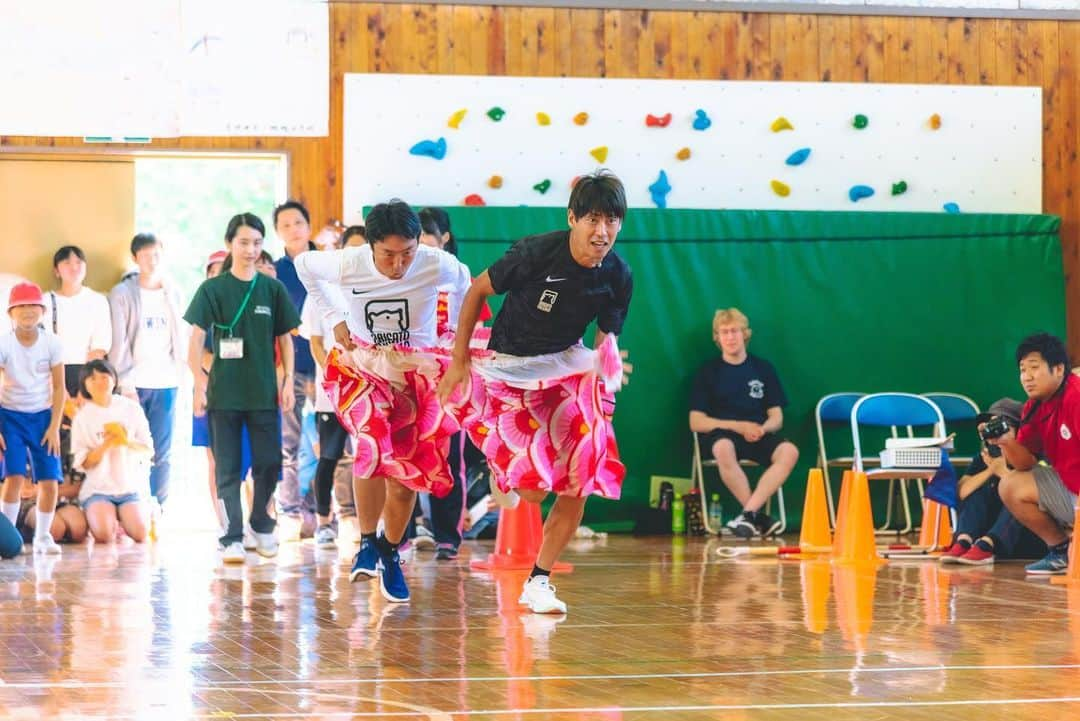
737, 406
556, 284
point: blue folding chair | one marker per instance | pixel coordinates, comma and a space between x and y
894, 411
833, 409
955, 408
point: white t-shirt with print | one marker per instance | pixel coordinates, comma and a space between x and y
312, 323
28, 371
155, 366
120, 471
380, 310
82, 322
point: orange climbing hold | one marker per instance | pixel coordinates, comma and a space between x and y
581, 118
495, 182
935, 121
683, 154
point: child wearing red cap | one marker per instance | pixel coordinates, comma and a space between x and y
31, 407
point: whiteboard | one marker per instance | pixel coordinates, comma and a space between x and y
986, 155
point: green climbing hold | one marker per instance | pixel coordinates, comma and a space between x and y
496, 113
860, 121
543, 186
899, 188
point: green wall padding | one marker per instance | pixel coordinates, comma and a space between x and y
837, 301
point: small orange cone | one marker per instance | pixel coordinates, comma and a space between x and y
517, 540
1072, 573
936, 532
815, 518
842, 513
857, 543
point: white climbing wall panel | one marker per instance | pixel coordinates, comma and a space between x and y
986, 156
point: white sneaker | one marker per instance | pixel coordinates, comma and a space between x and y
508, 500
46, 544
424, 539
325, 538
266, 544
233, 553
249, 539
539, 596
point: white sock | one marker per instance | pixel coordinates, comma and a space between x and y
44, 524
11, 510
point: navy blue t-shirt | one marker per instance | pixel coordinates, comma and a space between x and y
286, 272
743, 392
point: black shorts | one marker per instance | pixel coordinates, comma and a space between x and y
332, 436
759, 452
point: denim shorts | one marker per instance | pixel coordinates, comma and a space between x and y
119, 500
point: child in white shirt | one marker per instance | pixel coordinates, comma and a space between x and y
110, 439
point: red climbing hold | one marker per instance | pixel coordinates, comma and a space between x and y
474, 199
658, 122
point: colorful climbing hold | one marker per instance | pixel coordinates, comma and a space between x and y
662, 121
431, 148
581, 118
495, 182
858, 192
781, 123
860, 121
951, 208
781, 189
701, 120
543, 119
496, 113
659, 190
683, 154
899, 188
935, 122
798, 157
600, 153
543, 186
474, 200
456, 118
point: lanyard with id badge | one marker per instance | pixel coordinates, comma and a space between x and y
230, 348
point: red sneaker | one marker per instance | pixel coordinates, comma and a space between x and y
976, 557
954, 553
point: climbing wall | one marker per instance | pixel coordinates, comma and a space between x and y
464, 140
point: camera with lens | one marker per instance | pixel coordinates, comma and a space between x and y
996, 427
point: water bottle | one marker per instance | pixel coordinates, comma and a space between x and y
678, 516
716, 518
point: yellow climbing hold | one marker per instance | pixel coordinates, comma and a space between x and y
781, 123
543, 119
683, 154
781, 189
456, 118
600, 153
495, 181
581, 118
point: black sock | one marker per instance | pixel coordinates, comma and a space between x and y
385, 547
964, 543
1062, 547
368, 537
537, 571
985, 545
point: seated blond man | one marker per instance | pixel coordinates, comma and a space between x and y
737, 406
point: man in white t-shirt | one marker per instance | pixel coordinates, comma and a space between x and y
77, 315
149, 349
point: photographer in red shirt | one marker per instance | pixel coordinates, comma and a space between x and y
1042, 496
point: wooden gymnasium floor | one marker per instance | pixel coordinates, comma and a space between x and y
657, 629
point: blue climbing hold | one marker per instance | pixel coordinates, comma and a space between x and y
659, 190
858, 192
701, 120
951, 208
430, 148
798, 157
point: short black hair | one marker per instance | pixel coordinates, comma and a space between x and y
142, 240
243, 220
1049, 346
391, 218
292, 205
66, 252
599, 192
98, 365
351, 231
436, 221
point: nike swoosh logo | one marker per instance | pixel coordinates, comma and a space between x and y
549, 279
359, 292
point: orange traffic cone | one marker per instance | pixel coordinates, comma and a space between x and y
857, 544
815, 577
936, 532
517, 540
815, 518
842, 513
1072, 573
854, 589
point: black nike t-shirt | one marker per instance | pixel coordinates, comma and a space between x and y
551, 299
743, 392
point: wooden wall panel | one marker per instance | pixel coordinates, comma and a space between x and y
530, 41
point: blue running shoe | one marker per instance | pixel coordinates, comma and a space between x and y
1052, 564
365, 564
392, 579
